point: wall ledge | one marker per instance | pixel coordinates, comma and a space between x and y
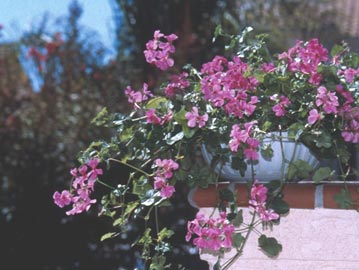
302, 195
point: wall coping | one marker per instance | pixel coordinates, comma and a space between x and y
303, 195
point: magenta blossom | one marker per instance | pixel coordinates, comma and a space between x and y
83, 186
314, 116
138, 96
62, 199
194, 118
279, 109
178, 82
327, 100
165, 167
258, 203
158, 50
166, 190
153, 118
211, 234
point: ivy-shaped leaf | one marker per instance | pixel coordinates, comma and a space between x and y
322, 174
158, 262
109, 235
269, 245
344, 199
237, 240
165, 234
300, 169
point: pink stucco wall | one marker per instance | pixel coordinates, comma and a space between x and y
324, 239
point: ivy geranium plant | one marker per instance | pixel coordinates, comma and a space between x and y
229, 106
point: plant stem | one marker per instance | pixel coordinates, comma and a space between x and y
228, 263
156, 219
104, 184
131, 166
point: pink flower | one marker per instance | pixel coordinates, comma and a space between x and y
178, 82
228, 84
267, 215
94, 173
63, 199
137, 96
167, 191
313, 117
328, 100
258, 203
251, 152
165, 167
157, 51
83, 185
80, 205
211, 234
194, 118
349, 74
152, 118
242, 138
279, 109
268, 67
259, 193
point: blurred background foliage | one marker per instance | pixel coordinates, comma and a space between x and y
42, 130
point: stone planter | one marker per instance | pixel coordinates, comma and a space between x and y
268, 169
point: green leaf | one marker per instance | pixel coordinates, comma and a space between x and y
267, 152
120, 221
217, 265
101, 118
226, 195
299, 169
238, 219
155, 102
181, 119
217, 32
343, 154
337, 49
109, 235
165, 234
269, 245
279, 206
343, 199
237, 240
321, 174
324, 141
158, 262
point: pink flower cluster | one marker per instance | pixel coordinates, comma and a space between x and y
83, 185
157, 51
226, 84
328, 103
134, 97
177, 82
195, 119
279, 108
325, 100
165, 168
211, 234
349, 74
242, 138
153, 118
258, 203
306, 58
350, 115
